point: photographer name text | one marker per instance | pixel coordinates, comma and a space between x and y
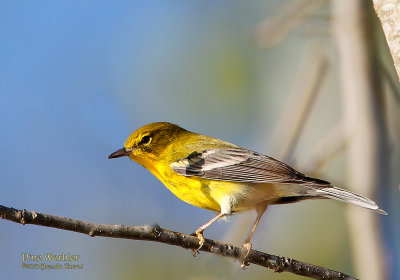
51, 261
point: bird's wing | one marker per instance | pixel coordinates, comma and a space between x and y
241, 165
237, 165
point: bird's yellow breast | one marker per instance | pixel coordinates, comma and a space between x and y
203, 193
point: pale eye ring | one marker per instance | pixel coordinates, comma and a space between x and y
145, 140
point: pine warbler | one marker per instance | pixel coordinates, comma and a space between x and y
216, 175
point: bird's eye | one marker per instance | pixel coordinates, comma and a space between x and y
145, 140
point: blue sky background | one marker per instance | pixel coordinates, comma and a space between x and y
77, 77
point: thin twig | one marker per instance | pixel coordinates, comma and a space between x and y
393, 84
158, 234
299, 105
273, 30
330, 146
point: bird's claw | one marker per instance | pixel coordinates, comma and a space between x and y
194, 253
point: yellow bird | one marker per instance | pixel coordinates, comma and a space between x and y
219, 176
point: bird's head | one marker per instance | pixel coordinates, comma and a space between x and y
149, 142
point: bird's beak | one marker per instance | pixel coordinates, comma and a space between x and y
120, 153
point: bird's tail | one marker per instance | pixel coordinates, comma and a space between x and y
347, 196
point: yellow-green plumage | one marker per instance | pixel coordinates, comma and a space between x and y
162, 147
219, 176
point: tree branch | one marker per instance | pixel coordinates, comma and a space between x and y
388, 12
158, 234
364, 119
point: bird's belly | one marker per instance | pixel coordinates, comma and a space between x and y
221, 195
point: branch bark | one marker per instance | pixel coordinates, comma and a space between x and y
389, 13
158, 234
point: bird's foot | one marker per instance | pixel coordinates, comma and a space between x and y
201, 238
246, 247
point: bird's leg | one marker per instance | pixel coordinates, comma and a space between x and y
199, 231
246, 246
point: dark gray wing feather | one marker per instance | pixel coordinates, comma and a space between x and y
239, 165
